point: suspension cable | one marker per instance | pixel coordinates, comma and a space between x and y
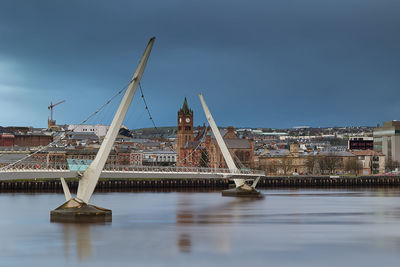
67, 131
151, 117
96, 112
158, 130
147, 107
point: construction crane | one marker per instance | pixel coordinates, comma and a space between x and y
50, 121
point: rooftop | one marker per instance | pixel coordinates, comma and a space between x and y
337, 153
366, 153
237, 143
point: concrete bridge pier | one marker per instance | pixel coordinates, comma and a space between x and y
243, 189
75, 211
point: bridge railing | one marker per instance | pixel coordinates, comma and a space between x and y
110, 167
181, 169
37, 166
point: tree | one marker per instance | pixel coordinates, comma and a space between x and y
329, 163
353, 165
285, 164
204, 159
391, 164
313, 164
272, 168
388, 164
310, 163
374, 164
396, 164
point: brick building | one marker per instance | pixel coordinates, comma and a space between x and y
6, 139
191, 148
185, 135
34, 139
120, 157
22, 139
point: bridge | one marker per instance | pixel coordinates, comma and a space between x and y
34, 171
79, 207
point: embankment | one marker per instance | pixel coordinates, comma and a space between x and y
105, 184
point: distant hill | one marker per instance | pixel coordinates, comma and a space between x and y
162, 132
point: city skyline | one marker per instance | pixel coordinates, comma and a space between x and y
264, 64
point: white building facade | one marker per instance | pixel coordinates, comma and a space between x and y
159, 157
98, 129
387, 140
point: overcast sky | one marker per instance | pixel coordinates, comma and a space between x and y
266, 63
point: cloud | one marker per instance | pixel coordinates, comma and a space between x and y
268, 63
9, 72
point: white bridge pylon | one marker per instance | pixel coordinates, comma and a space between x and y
224, 149
88, 181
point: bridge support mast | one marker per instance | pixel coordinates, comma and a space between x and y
77, 208
242, 188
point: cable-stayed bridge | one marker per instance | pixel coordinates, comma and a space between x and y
158, 172
79, 206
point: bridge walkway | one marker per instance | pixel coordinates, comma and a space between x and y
138, 172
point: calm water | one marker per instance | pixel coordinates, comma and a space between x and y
287, 228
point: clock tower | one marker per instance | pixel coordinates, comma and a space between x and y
185, 131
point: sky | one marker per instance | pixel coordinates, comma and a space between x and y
258, 63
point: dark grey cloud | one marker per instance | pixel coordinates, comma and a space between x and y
258, 63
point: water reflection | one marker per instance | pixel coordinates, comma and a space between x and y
184, 242
205, 229
78, 237
191, 216
188, 216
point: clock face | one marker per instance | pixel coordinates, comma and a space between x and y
187, 120
180, 120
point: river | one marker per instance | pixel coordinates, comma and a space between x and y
321, 227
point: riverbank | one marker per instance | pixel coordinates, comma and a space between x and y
265, 182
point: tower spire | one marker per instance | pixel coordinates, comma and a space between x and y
185, 108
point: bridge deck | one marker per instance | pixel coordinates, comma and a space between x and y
138, 173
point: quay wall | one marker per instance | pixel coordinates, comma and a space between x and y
328, 181
148, 183
113, 184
